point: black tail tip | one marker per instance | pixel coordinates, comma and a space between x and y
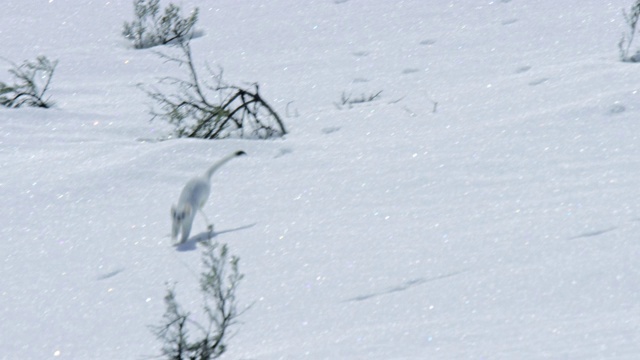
240, 153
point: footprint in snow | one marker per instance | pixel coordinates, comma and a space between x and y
594, 233
109, 274
538, 81
427, 42
282, 152
361, 53
360, 80
523, 69
329, 130
509, 21
407, 285
617, 109
410, 71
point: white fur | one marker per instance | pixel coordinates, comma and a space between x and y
192, 199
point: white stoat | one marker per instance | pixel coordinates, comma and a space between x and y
193, 197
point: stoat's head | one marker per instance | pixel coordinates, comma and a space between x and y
177, 218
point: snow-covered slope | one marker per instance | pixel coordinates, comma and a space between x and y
502, 225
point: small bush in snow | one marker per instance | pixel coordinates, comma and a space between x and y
349, 101
31, 82
211, 111
631, 18
150, 29
218, 284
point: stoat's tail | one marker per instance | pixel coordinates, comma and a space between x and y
223, 161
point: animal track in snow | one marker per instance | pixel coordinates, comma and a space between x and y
110, 274
427, 42
509, 21
617, 109
407, 285
538, 81
523, 69
283, 152
329, 130
361, 53
410, 71
594, 233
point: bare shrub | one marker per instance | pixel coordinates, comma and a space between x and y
347, 100
151, 29
624, 46
199, 109
218, 285
32, 80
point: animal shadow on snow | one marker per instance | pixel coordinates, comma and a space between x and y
193, 241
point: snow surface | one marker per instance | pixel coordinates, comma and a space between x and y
504, 225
